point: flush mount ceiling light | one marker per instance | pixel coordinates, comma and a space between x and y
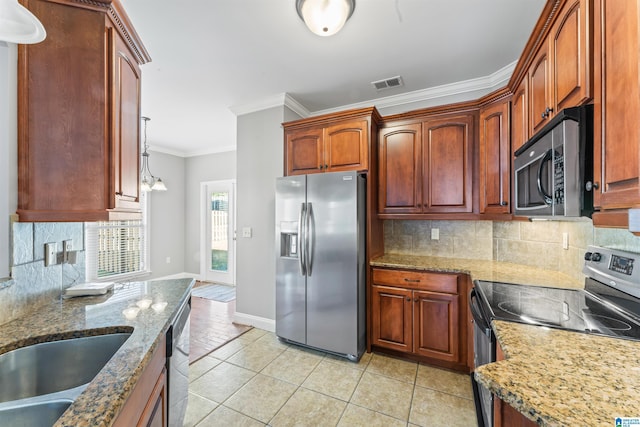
18, 25
148, 182
325, 17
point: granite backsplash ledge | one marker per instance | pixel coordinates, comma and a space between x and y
536, 244
32, 284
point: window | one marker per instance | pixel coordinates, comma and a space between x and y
117, 249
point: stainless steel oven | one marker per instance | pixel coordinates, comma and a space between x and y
554, 169
484, 351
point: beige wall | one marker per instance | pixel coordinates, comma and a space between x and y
537, 244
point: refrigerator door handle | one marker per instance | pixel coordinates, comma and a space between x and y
310, 232
301, 239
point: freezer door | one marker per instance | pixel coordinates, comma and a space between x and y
334, 282
290, 282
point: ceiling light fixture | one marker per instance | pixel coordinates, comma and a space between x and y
18, 24
148, 182
325, 17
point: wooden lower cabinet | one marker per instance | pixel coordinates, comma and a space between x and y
419, 314
147, 404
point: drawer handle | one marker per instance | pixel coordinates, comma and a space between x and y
412, 280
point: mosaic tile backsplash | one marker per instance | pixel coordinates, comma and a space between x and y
33, 284
537, 244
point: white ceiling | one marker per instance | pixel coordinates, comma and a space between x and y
214, 56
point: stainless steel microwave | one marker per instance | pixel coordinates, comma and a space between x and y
553, 171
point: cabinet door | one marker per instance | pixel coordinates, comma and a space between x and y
155, 413
437, 325
495, 159
571, 55
616, 104
125, 125
540, 105
391, 318
400, 176
346, 146
520, 116
447, 164
304, 151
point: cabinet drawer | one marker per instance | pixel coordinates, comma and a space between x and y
436, 282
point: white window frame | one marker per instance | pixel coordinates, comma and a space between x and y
91, 248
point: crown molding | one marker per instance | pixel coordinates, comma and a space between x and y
471, 87
271, 102
184, 154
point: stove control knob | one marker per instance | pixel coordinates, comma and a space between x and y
596, 257
587, 256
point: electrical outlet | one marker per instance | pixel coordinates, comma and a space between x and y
50, 254
67, 246
246, 232
435, 234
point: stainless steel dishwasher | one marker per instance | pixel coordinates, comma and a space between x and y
178, 365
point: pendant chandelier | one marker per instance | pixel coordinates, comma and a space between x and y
325, 17
148, 182
18, 24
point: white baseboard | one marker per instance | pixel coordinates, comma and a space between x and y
182, 275
255, 321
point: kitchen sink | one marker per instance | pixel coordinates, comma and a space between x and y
37, 414
54, 366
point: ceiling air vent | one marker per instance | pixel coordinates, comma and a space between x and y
388, 83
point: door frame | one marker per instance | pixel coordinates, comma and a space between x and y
205, 256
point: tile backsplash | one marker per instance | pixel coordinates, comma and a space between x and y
33, 284
538, 244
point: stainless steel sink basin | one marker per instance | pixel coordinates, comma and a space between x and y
55, 366
38, 414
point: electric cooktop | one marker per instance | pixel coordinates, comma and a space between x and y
609, 305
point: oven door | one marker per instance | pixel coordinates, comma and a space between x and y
534, 178
484, 351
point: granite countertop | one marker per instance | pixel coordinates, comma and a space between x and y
103, 398
554, 377
562, 378
495, 271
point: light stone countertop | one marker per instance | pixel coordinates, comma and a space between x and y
554, 377
105, 395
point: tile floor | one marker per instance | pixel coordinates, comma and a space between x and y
256, 380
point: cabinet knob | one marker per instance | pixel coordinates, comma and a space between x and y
409, 299
547, 112
415, 300
320, 167
326, 166
412, 280
591, 186
504, 203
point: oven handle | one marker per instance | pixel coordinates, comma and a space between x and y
475, 312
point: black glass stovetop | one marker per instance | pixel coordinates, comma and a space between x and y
578, 310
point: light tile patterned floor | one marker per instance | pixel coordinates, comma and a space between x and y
256, 380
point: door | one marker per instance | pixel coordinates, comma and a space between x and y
392, 318
436, 325
291, 294
334, 282
218, 259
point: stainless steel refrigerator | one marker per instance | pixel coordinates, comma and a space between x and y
320, 261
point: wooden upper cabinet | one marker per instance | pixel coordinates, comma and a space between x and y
399, 189
330, 143
495, 158
125, 124
79, 114
346, 146
447, 152
520, 116
304, 151
616, 106
570, 47
540, 103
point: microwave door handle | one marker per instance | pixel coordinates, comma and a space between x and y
546, 197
